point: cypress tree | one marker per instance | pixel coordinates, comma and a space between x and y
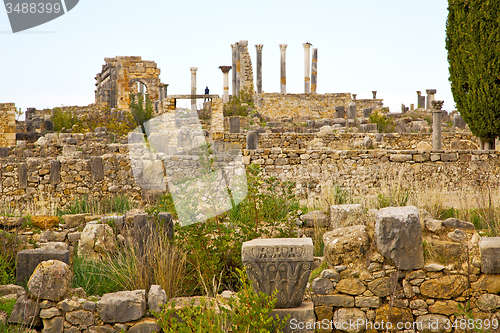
473, 44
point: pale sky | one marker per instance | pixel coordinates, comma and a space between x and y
392, 46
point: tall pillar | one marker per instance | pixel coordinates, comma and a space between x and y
238, 68
193, 88
225, 70
436, 124
430, 98
283, 68
259, 67
314, 71
233, 51
420, 100
374, 92
307, 69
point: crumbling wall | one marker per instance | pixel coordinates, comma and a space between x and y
274, 106
246, 69
118, 79
7, 124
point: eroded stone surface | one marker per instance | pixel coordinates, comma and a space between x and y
122, 306
50, 280
346, 245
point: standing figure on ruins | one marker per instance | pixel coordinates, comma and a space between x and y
207, 91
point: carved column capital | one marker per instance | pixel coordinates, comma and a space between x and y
225, 69
283, 47
193, 70
259, 47
307, 46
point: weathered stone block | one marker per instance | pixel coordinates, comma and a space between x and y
156, 298
399, 236
55, 172
122, 306
96, 168
293, 256
53, 325
346, 245
346, 215
26, 312
347, 319
453, 223
51, 280
252, 140
302, 318
234, 124
95, 240
145, 325
315, 219
28, 260
446, 287
23, 175
490, 255
401, 157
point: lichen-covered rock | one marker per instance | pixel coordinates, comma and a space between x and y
346, 245
395, 315
53, 325
50, 280
454, 223
44, 221
95, 240
322, 286
488, 302
446, 308
381, 287
80, 318
433, 323
122, 306
398, 236
445, 287
487, 282
350, 286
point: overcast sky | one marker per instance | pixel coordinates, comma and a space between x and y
392, 46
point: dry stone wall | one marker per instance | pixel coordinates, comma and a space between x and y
274, 106
7, 124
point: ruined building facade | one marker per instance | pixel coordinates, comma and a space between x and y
122, 76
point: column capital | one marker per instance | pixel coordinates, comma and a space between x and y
419, 93
234, 47
243, 43
437, 106
225, 69
259, 47
307, 46
283, 47
193, 70
431, 91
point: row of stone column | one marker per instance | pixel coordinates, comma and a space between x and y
421, 100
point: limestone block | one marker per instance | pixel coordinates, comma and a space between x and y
55, 172
53, 325
367, 301
74, 220
95, 240
344, 316
252, 140
453, 223
44, 221
315, 219
399, 236
28, 260
346, 245
490, 255
145, 325
156, 298
26, 312
446, 308
487, 282
350, 287
322, 286
293, 256
488, 302
122, 306
445, 287
381, 287
51, 280
11, 289
80, 318
96, 168
346, 215
401, 157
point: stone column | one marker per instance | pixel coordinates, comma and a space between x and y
259, 67
225, 70
314, 71
307, 69
283, 68
193, 88
238, 69
374, 92
420, 100
436, 124
233, 51
430, 98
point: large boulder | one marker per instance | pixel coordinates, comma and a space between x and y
51, 280
95, 240
346, 245
122, 306
398, 235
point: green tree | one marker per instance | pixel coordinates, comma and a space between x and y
140, 111
472, 39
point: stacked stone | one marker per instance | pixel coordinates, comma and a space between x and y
7, 124
246, 75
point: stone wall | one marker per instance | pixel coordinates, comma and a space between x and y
7, 124
274, 106
246, 76
118, 79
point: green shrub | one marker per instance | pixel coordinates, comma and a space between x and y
246, 312
63, 119
141, 112
240, 105
8, 252
385, 124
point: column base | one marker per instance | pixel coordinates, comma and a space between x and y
301, 320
